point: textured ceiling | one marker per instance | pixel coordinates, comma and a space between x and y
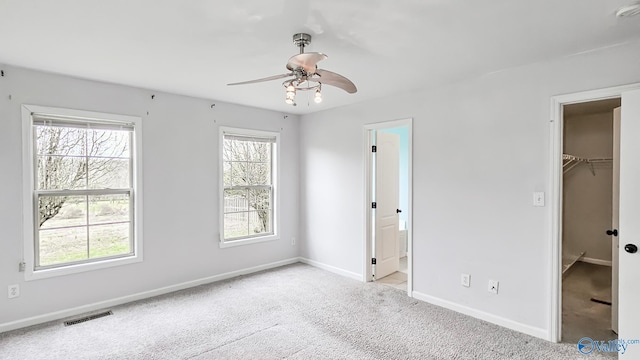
196, 47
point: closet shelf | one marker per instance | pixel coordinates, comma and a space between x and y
571, 161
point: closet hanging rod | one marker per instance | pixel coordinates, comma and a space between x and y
582, 159
571, 161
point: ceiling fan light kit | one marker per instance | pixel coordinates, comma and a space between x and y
318, 97
303, 67
291, 94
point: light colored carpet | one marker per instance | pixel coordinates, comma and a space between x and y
293, 312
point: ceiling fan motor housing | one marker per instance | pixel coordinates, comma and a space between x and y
301, 40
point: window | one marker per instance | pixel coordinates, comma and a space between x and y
249, 170
83, 192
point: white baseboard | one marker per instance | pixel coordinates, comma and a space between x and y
596, 261
494, 319
139, 296
332, 269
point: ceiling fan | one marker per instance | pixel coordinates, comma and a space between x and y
306, 75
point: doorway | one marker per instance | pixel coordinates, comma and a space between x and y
628, 230
589, 271
388, 213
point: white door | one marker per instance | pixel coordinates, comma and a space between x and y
629, 230
387, 182
615, 210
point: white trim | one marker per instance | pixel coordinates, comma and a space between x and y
410, 214
77, 268
494, 319
555, 195
408, 123
85, 115
138, 296
333, 269
367, 272
275, 164
596, 261
28, 191
247, 241
389, 124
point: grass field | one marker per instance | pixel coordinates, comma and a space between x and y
99, 226
86, 228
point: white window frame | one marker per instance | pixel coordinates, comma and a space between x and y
29, 190
275, 171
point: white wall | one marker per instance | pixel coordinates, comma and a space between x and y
180, 161
481, 148
587, 198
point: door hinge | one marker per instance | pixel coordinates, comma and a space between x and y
373, 261
374, 148
374, 205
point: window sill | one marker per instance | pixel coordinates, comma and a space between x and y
234, 243
79, 268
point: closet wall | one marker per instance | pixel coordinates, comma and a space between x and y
588, 133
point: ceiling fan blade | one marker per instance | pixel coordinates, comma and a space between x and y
306, 61
274, 77
337, 80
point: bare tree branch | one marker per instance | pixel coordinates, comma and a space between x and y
66, 160
249, 163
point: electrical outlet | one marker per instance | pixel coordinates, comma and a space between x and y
13, 291
493, 286
293, 241
465, 280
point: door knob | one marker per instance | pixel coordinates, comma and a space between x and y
630, 248
398, 211
613, 232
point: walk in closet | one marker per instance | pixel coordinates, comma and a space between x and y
589, 175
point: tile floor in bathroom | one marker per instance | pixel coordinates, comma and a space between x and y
398, 279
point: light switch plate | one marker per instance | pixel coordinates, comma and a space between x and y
538, 199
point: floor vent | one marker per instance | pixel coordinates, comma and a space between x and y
88, 318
